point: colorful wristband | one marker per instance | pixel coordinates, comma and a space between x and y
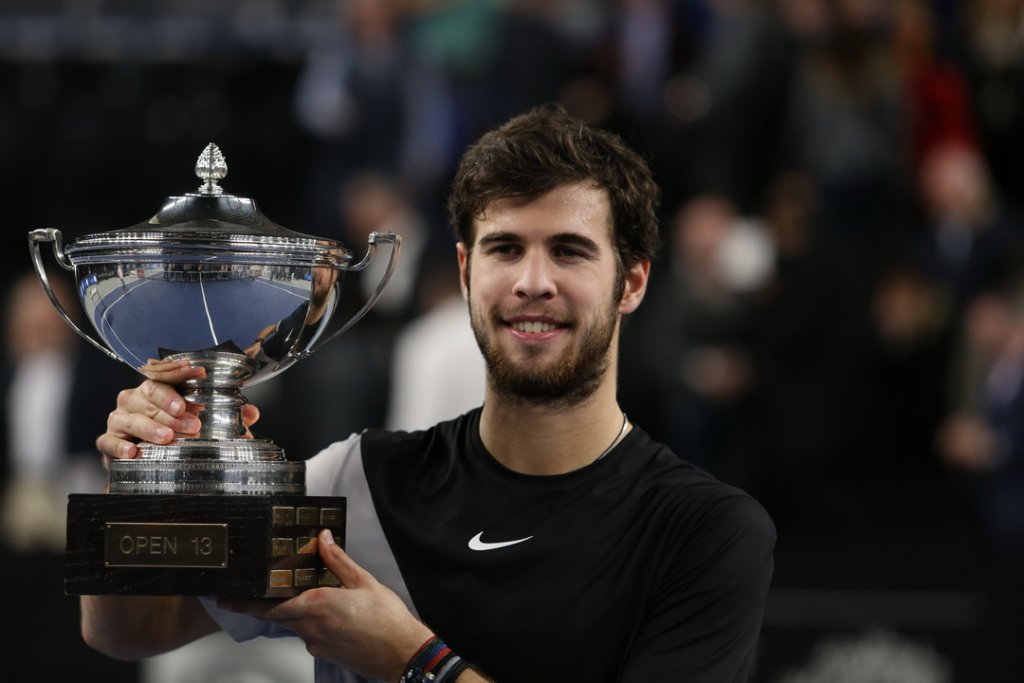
434, 662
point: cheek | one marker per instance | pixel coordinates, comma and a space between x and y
483, 283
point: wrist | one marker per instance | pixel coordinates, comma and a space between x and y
433, 662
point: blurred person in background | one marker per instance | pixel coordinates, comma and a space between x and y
530, 60
694, 367
41, 351
983, 437
437, 372
369, 202
845, 124
808, 350
936, 95
374, 104
984, 432
48, 373
731, 101
906, 372
53, 389
972, 242
989, 41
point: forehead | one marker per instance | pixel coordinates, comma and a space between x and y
578, 207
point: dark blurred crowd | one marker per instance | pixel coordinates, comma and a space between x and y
835, 322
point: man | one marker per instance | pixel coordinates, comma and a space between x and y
542, 537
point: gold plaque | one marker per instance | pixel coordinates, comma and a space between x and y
282, 547
306, 516
283, 515
332, 517
280, 578
306, 578
166, 544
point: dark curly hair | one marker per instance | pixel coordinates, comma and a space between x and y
545, 148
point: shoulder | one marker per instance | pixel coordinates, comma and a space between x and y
443, 436
736, 529
697, 511
376, 451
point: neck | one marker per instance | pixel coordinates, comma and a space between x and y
542, 439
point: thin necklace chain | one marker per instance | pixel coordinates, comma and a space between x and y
617, 439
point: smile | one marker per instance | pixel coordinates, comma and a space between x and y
533, 326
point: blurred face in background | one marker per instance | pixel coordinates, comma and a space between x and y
954, 185
33, 325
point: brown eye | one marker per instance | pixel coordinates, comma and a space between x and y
568, 253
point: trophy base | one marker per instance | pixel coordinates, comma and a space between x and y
217, 545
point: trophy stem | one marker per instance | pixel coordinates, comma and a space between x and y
217, 398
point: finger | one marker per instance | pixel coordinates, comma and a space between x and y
113, 446
159, 394
171, 372
128, 425
250, 415
344, 568
161, 403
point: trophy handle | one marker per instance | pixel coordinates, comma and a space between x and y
35, 237
396, 246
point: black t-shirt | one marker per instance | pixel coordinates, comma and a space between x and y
636, 568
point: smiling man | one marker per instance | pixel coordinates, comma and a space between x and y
541, 537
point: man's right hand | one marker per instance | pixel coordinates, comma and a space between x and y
154, 411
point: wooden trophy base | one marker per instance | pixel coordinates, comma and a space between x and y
233, 546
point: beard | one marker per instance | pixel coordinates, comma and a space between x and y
567, 381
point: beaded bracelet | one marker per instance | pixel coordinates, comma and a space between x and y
434, 662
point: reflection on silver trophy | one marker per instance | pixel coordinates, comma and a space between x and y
209, 279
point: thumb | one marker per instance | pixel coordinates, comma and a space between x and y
350, 574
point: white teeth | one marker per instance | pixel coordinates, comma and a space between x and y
533, 326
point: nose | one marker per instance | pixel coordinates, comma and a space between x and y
535, 279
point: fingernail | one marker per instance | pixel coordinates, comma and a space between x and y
176, 406
327, 537
191, 424
163, 433
126, 450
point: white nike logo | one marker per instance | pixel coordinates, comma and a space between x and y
476, 543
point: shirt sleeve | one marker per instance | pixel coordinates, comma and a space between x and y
704, 624
242, 626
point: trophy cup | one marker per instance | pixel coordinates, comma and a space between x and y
209, 279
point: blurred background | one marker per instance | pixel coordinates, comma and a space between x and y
835, 322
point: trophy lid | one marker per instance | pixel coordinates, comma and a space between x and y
209, 225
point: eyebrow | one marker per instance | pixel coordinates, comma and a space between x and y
572, 238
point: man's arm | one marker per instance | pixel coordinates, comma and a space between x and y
130, 627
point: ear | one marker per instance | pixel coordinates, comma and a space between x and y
463, 253
635, 286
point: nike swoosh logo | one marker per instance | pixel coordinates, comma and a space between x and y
476, 543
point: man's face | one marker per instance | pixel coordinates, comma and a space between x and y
545, 293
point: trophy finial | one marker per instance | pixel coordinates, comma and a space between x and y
211, 167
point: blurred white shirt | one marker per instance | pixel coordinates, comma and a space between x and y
437, 369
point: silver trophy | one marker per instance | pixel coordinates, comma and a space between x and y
211, 280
